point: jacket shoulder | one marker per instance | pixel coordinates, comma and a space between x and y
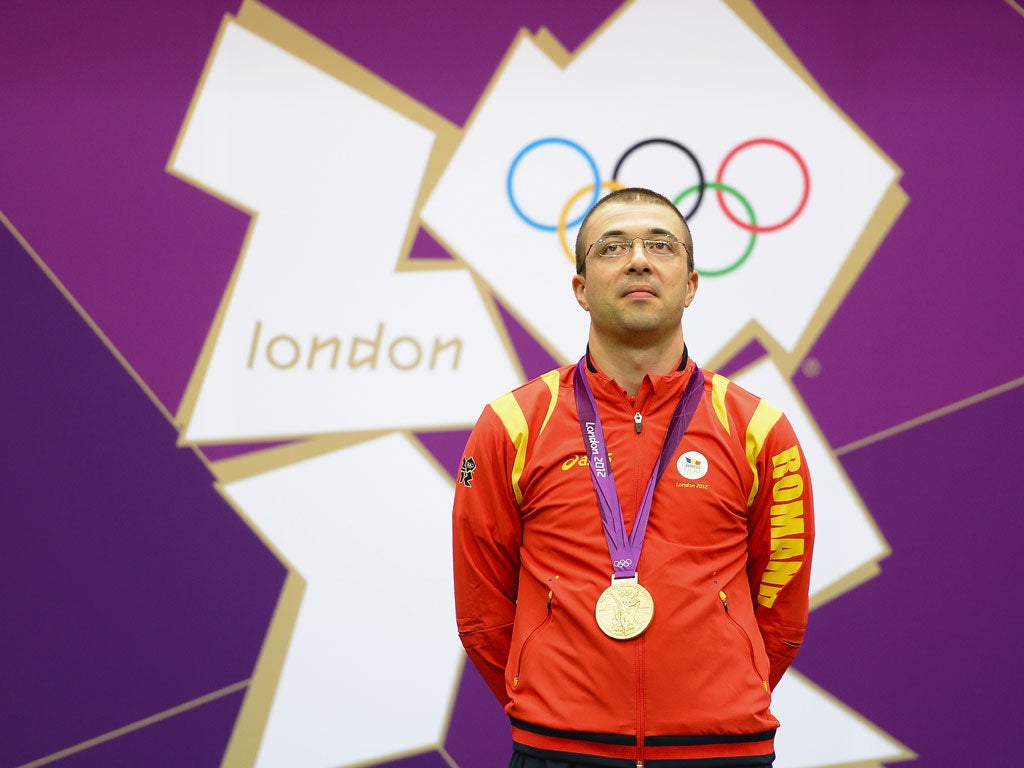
740, 412
539, 393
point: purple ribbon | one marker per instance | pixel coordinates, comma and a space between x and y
625, 550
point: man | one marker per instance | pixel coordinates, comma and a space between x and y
632, 535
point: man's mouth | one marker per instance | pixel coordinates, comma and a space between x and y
640, 291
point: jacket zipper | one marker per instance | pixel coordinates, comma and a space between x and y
638, 425
640, 713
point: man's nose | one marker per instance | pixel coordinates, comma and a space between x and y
638, 253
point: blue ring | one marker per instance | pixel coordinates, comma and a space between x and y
534, 145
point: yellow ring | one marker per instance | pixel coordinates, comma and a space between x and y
564, 216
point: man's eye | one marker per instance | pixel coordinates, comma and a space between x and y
659, 246
613, 249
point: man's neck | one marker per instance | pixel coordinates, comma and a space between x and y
628, 365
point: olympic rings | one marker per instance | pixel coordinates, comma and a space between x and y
534, 145
720, 187
752, 229
681, 148
803, 170
623, 563
562, 225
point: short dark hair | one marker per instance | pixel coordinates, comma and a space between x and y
630, 195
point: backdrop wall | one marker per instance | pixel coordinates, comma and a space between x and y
263, 264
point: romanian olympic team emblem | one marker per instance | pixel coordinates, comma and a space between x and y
696, 191
692, 465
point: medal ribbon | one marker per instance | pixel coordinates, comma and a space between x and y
625, 550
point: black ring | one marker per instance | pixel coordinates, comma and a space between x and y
681, 148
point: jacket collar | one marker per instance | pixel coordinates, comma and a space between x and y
660, 384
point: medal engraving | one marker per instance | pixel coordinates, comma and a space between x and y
625, 609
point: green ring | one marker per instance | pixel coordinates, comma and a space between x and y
753, 221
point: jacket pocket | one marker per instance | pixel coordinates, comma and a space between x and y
517, 668
745, 635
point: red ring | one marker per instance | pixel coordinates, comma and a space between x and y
763, 227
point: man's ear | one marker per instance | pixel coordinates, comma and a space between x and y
579, 288
691, 287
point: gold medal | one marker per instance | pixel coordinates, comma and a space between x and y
625, 609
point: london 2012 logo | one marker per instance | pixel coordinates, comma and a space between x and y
502, 195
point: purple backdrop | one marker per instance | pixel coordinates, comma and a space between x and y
132, 587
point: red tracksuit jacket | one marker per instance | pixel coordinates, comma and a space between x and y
726, 558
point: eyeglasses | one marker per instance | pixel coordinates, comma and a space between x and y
665, 245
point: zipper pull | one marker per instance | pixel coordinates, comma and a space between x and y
638, 422
725, 601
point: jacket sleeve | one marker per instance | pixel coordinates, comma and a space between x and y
487, 532
781, 540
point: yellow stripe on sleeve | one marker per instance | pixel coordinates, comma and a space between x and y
551, 378
718, 386
511, 415
765, 417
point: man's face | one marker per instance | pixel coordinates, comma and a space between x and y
635, 295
